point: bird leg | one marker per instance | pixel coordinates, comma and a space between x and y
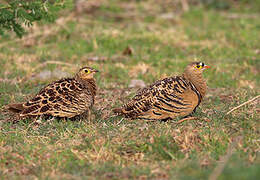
89, 115
38, 119
51, 119
186, 119
194, 110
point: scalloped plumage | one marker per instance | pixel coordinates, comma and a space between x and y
68, 97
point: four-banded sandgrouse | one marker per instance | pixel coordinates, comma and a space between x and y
168, 98
67, 97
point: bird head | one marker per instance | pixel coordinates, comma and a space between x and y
196, 68
86, 73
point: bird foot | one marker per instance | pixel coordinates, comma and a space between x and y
186, 119
51, 119
38, 119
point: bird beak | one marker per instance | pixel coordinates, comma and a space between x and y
206, 66
95, 70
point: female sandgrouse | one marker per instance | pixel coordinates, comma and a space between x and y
168, 98
67, 97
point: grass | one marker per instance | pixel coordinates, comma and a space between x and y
225, 36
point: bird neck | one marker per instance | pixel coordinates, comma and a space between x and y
198, 81
90, 84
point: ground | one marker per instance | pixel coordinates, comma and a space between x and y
161, 40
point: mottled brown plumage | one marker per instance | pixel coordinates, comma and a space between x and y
67, 97
168, 98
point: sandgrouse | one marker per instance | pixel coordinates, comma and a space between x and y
67, 98
168, 98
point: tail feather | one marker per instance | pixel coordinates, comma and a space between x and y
16, 108
118, 111
122, 112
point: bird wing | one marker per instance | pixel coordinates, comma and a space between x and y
174, 97
63, 98
166, 94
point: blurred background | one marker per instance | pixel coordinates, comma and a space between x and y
132, 38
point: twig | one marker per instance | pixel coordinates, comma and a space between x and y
186, 119
247, 102
221, 164
54, 62
60, 63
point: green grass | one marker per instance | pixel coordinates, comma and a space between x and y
224, 36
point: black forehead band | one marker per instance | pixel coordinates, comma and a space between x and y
200, 63
86, 68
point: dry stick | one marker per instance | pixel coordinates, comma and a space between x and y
221, 164
186, 119
54, 62
247, 102
237, 16
60, 63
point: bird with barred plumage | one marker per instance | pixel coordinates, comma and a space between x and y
168, 98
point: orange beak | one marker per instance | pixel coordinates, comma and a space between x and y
206, 66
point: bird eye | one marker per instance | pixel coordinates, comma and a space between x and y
86, 71
198, 66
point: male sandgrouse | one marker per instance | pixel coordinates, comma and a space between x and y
67, 97
168, 98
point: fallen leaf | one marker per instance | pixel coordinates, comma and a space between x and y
128, 51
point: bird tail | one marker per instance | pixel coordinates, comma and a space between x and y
16, 108
118, 111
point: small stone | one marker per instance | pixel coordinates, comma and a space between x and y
136, 83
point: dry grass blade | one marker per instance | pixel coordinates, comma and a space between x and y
54, 62
245, 103
120, 121
60, 63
